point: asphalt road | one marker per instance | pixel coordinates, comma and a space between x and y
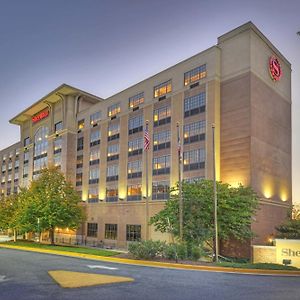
24, 275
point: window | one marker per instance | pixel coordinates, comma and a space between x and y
161, 140
3, 168
40, 158
136, 100
194, 179
10, 166
160, 190
17, 164
113, 152
58, 126
135, 124
16, 176
26, 141
92, 229
111, 231
80, 144
112, 194
95, 118
162, 89
161, 165
112, 173
9, 178
162, 116
79, 179
57, 159
135, 169
57, 145
26, 157
135, 146
17, 152
195, 74
113, 110
133, 232
194, 132
134, 192
93, 195
194, 159
113, 131
80, 125
94, 175
79, 161
94, 157
95, 138
25, 171
194, 105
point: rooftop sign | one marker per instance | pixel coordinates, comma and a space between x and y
40, 116
275, 68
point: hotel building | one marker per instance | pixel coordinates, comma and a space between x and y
242, 85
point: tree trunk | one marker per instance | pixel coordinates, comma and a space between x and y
15, 235
51, 233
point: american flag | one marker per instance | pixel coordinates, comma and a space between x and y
146, 138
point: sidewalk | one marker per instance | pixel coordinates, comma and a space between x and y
157, 264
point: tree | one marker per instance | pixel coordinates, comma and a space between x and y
290, 228
236, 206
51, 202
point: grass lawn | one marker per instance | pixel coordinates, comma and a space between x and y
263, 266
98, 252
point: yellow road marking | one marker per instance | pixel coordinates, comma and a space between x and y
67, 279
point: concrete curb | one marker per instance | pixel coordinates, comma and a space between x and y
157, 264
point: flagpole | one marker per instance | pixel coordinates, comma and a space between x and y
146, 148
180, 185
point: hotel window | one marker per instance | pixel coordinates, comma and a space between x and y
134, 192
113, 152
162, 116
79, 161
133, 232
194, 105
135, 169
25, 171
194, 179
94, 157
112, 173
57, 143
194, 159
161, 140
26, 157
160, 190
16, 177
26, 141
94, 175
195, 75
9, 177
95, 118
78, 179
135, 124
3, 179
80, 143
194, 132
40, 159
161, 165
113, 131
113, 110
17, 152
58, 126
95, 138
162, 89
93, 195
92, 229
135, 146
111, 231
57, 159
112, 194
17, 164
3, 168
80, 125
136, 100
10, 166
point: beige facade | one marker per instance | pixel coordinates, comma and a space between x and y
98, 144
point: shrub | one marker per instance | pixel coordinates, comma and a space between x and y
146, 249
170, 251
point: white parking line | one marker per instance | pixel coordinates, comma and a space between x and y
101, 267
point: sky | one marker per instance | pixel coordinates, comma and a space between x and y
105, 46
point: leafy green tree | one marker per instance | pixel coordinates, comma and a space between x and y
51, 202
236, 206
290, 228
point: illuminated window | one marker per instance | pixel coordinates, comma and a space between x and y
160, 190
135, 124
161, 140
40, 159
194, 132
135, 147
94, 175
195, 74
133, 232
113, 152
57, 143
94, 157
112, 194
80, 125
58, 126
162, 89
162, 116
93, 195
113, 131
135, 169
136, 100
57, 159
194, 105
95, 118
79, 161
111, 231
134, 192
95, 138
113, 110
92, 229
194, 159
78, 179
161, 165
112, 173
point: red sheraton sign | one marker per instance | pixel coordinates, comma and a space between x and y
40, 116
275, 68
